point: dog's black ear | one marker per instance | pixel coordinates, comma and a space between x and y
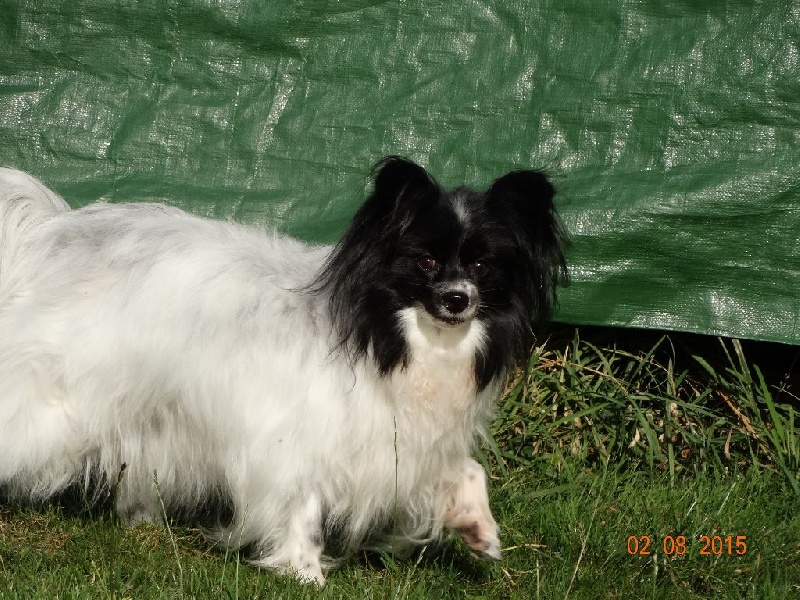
353, 274
524, 200
401, 187
528, 193
396, 173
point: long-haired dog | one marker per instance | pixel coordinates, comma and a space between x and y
327, 393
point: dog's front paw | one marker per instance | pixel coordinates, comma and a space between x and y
307, 573
305, 570
479, 534
483, 542
468, 512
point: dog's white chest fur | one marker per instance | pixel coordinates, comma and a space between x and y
438, 385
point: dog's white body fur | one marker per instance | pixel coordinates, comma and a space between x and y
140, 340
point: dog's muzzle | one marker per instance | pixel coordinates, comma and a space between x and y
456, 304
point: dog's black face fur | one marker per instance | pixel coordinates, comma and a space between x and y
495, 256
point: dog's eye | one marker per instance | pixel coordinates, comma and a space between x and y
479, 268
427, 263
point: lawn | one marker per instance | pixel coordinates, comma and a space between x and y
623, 465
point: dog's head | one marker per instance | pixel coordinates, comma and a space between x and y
453, 255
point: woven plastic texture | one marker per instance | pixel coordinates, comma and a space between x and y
671, 128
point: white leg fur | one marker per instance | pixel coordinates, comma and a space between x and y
300, 552
137, 502
468, 512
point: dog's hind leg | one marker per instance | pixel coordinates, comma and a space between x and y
468, 512
137, 501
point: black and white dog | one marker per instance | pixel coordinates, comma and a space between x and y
318, 389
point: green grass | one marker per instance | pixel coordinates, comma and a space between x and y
600, 441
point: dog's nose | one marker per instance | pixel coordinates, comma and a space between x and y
455, 302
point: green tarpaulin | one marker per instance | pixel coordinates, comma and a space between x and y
671, 128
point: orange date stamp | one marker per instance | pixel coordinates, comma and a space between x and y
678, 545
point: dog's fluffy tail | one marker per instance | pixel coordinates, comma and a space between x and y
25, 203
33, 426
